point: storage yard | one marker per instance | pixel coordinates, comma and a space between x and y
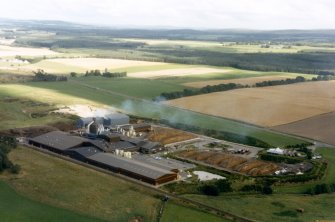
232, 163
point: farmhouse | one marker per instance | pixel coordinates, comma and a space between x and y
132, 168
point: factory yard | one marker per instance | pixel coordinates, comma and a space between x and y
321, 128
268, 106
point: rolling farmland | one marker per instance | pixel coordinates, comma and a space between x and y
268, 106
246, 81
320, 127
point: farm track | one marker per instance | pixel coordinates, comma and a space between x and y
189, 202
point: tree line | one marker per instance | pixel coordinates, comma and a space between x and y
232, 86
106, 74
6, 145
203, 90
41, 76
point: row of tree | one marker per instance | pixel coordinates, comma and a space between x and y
215, 188
321, 188
41, 76
231, 86
280, 158
280, 82
106, 74
203, 90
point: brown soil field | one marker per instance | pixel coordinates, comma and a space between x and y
268, 106
243, 81
239, 164
320, 127
176, 72
167, 135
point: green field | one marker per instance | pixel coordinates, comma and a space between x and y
14, 207
74, 93
178, 213
277, 207
59, 183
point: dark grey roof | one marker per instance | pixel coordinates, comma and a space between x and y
150, 145
85, 151
137, 142
59, 140
99, 143
130, 165
122, 145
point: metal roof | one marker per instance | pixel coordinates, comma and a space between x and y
86, 151
150, 145
130, 165
59, 140
137, 142
122, 145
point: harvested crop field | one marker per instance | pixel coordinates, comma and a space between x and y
268, 106
243, 81
230, 162
9, 51
320, 127
167, 135
176, 72
83, 64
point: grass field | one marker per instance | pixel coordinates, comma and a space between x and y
14, 207
267, 106
276, 208
63, 184
73, 93
178, 213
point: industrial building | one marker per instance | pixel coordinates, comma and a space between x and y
99, 152
108, 121
58, 141
132, 168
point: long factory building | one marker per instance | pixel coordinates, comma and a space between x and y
97, 152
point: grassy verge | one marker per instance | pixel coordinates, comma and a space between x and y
179, 213
277, 207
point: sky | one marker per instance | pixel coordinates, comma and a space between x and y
197, 14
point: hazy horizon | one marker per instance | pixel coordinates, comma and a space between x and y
202, 14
